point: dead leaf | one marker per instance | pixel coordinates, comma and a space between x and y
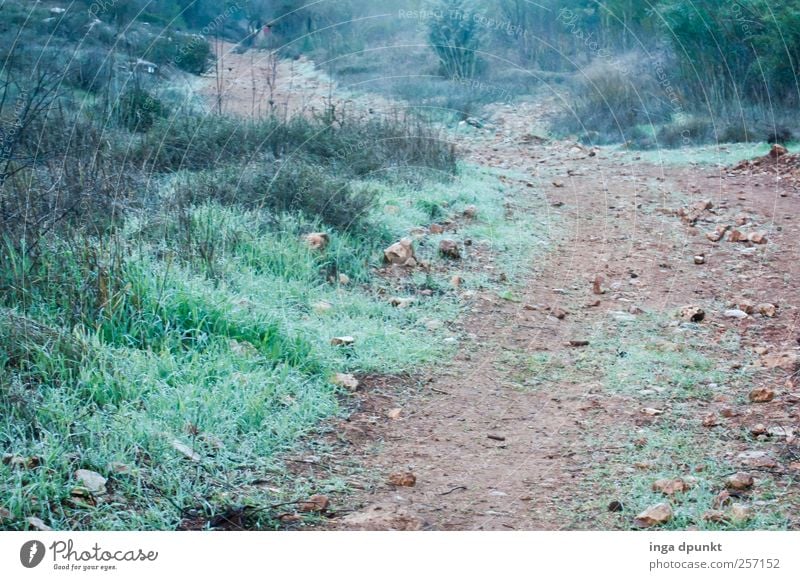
655, 515
316, 503
185, 450
91, 480
38, 524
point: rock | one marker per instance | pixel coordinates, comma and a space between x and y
382, 518
735, 313
756, 459
38, 524
317, 240
403, 479
20, 462
741, 513
291, 518
718, 233
597, 285
739, 481
758, 429
781, 432
670, 486
558, 313
185, 450
787, 361
398, 302
433, 324
394, 414
757, 238
316, 503
344, 279
449, 249
4, 515
655, 515
767, 309
474, 122
692, 313
345, 380
242, 348
715, 517
342, 340
761, 395
436, 229
651, 412
710, 420
456, 281
737, 236
558, 184
470, 212
746, 306
400, 252
699, 259
615, 506
777, 150
92, 481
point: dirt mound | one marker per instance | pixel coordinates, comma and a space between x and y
778, 161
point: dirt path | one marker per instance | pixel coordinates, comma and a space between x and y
527, 430
490, 453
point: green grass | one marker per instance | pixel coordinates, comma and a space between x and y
723, 155
206, 331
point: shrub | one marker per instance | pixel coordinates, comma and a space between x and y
137, 109
194, 55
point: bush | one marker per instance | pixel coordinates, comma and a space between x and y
137, 110
194, 55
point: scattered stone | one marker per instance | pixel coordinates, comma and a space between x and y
715, 517
699, 259
317, 240
735, 313
787, 361
558, 183
597, 285
670, 486
757, 238
558, 313
456, 281
655, 515
400, 252
291, 518
342, 340
718, 233
4, 514
777, 150
578, 343
741, 512
20, 462
692, 313
92, 481
710, 420
394, 414
403, 479
761, 395
398, 302
758, 429
757, 459
316, 503
767, 309
382, 518
345, 380
449, 249
739, 481
470, 212
436, 229
344, 279
649, 411
737, 236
